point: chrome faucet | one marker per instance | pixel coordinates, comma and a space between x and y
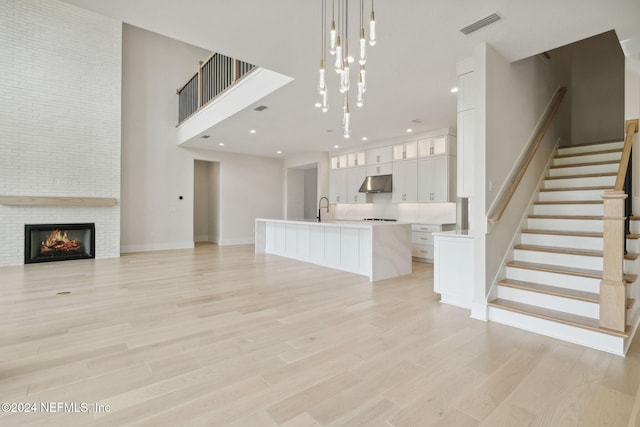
319, 218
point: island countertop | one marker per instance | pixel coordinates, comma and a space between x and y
377, 249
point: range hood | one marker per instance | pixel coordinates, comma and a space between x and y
376, 184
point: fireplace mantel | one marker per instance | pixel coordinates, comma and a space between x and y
56, 201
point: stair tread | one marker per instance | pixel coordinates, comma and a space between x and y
587, 144
551, 290
557, 250
570, 202
572, 271
598, 187
589, 153
604, 162
561, 233
582, 217
557, 316
584, 175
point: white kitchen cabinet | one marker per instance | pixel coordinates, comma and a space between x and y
466, 153
382, 169
466, 129
437, 145
408, 150
436, 179
338, 186
355, 178
405, 180
466, 91
356, 159
339, 162
454, 284
422, 241
379, 155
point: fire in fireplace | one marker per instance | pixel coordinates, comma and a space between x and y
58, 242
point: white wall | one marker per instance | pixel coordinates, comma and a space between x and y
155, 171
295, 193
60, 126
512, 98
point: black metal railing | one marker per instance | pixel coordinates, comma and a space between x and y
213, 78
628, 203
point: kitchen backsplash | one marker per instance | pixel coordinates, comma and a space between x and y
426, 213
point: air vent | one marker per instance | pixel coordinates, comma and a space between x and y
480, 24
416, 121
204, 136
261, 108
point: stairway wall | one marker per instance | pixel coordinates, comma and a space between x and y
517, 95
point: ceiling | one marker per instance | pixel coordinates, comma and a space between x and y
410, 71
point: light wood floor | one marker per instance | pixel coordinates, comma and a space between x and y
222, 337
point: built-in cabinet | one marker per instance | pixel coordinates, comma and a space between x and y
405, 182
466, 129
424, 171
422, 242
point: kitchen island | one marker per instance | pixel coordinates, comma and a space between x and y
376, 249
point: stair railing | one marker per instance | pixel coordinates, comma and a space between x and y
214, 77
505, 198
617, 212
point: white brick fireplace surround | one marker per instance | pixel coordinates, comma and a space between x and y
60, 127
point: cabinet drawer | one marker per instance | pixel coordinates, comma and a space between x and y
382, 169
422, 251
422, 238
425, 227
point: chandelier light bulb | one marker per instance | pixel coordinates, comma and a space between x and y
360, 97
362, 58
322, 83
325, 103
362, 78
332, 38
345, 81
338, 64
372, 29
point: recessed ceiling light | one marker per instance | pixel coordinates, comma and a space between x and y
278, 152
252, 131
409, 130
221, 144
454, 90
336, 146
318, 105
364, 138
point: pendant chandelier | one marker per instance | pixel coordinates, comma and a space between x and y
339, 48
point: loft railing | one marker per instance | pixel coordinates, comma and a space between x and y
214, 76
617, 213
503, 202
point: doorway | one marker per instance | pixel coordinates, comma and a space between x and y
302, 192
206, 207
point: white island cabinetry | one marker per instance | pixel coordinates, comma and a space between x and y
376, 250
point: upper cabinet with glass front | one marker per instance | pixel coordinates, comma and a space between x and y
406, 151
437, 146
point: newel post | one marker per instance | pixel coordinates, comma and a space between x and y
613, 295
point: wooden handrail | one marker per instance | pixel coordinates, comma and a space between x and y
494, 218
632, 127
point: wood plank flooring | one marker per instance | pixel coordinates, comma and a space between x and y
219, 336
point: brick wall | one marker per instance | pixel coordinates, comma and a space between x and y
60, 100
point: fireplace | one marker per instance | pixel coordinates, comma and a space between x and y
58, 242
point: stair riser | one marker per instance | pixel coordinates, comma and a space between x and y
591, 148
575, 195
595, 225
634, 227
594, 181
568, 242
633, 246
554, 279
586, 159
568, 209
579, 170
592, 339
563, 260
552, 302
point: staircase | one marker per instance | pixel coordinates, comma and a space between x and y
553, 279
